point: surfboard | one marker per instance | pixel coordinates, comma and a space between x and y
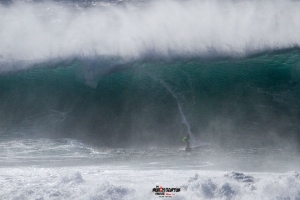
188, 149
197, 147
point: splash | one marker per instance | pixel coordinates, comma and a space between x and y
184, 120
39, 32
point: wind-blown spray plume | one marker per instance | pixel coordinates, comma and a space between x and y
32, 32
184, 120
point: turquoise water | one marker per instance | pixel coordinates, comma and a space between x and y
225, 100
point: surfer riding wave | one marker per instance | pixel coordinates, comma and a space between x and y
186, 140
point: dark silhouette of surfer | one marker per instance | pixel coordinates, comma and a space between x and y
186, 140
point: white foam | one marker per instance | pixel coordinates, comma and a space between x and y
34, 32
92, 183
68, 169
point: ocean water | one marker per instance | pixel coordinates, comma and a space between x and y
95, 97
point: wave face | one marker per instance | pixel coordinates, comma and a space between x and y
120, 73
228, 100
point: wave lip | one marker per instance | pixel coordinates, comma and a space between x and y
44, 31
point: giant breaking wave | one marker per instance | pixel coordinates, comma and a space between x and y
139, 73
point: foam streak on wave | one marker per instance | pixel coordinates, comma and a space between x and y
31, 31
184, 120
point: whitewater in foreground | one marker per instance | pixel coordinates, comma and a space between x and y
69, 169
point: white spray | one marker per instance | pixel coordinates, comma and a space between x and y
45, 31
184, 120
